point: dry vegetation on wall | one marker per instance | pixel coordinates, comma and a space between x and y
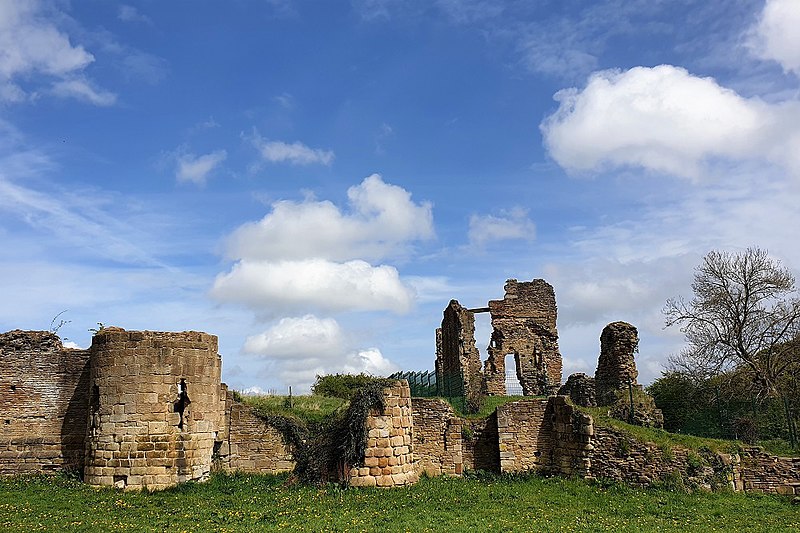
326, 444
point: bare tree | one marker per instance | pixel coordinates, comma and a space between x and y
745, 313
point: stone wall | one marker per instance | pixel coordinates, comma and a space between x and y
437, 438
571, 438
524, 324
616, 366
761, 472
43, 403
581, 390
619, 457
155, 408
389, 456
524, 435
251, 445
480, 447
458, 359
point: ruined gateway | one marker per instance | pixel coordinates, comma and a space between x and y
523, 325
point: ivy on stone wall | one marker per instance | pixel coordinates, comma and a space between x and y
325, 452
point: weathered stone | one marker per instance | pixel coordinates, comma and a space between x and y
581, 390
524, 324
616, 368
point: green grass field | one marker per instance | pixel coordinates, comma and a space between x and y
265, 503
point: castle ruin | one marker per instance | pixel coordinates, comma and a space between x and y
523, 325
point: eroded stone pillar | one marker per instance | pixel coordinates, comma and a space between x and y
616, 365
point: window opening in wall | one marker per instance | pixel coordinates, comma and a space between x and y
13, 388
94, 407
483, 333
182, 402
513, 386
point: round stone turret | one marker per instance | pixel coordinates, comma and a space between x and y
155, 408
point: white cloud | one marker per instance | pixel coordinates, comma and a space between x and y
666, 120
294, 337
308, 257
295, 153
776, 37
382, 219
285, 100
303, 347
275, 287
513, 224
196, 169
128, 13
254, 391
33, 45
82, 90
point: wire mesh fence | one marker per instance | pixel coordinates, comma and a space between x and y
426, 384
513, 386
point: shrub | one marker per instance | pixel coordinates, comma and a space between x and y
340, 385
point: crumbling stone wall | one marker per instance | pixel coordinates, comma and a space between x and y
616, 366
762, 472
437, 438
43, 403
524, 436
458, 359
572, 436
389, 456
580, 389
481, 450
253, 446
622, 458
524, 324
155, 408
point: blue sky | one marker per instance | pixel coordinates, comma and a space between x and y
313, 181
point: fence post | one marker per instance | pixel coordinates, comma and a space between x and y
630, 395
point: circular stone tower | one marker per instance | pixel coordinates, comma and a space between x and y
155, 408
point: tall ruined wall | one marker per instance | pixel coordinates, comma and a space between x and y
616, 365
458, 360
524, 436
524, 324
389, 455
155, 409
437, 437
43, 401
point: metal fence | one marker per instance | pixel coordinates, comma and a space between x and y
513, 386
425, 384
